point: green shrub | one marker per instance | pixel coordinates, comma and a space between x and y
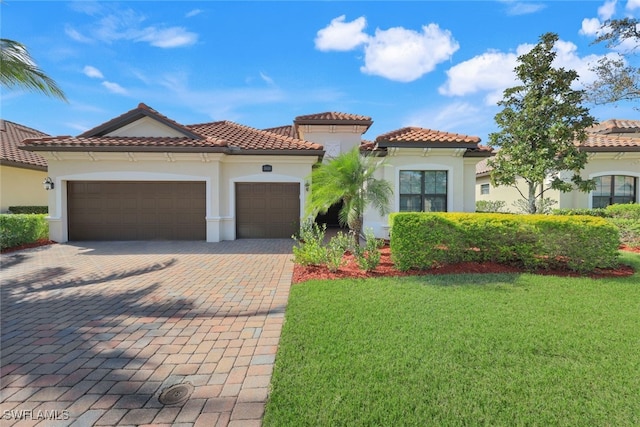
309, 249
629, 230
490, 206
18, 229
28, 209
423, 240
599, 212
626, 211
368, 257
335, 250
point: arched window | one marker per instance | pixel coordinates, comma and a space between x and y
611, 189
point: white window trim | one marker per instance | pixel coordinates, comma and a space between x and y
609, 173
422, 167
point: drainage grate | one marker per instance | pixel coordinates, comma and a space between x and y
176, 394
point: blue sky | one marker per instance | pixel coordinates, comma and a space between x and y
435, 64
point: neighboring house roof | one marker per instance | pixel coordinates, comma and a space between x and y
611, 135
613, 126
224, 136
11, 137
333, 118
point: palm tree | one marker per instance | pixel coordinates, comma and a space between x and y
349, 178
19, 70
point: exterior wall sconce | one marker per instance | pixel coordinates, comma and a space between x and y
307, 185
48, 184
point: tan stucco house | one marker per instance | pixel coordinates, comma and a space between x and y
613, 147
21, 172
143, 176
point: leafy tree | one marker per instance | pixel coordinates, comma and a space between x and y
541, 122
349, 178
19, 70
617, 81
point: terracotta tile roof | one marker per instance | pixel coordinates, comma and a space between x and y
105, 142
333, 117
409, 135
611, 142
131, 116
248, 138
11, 137
616, 126
482, 167
287, 130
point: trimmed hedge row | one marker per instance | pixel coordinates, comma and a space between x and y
424, 240
19, 229
28, 209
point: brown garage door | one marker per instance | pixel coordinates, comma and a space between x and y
267, 210
125, 210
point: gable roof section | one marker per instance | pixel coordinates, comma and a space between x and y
224, 137
141, 111
287, 130
11, 137
614, 126
613, 142
415, 137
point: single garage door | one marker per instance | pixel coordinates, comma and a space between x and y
126, 210
267, 210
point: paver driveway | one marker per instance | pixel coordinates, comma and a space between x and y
93, 333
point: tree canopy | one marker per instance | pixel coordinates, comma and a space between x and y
19, 70
616, 79
541, 121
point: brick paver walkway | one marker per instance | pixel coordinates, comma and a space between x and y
93, 333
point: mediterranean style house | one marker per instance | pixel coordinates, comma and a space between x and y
21, 172
613, 147
144, 176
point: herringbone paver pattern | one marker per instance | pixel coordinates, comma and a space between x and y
92, 333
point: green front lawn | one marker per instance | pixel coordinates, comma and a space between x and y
500, 349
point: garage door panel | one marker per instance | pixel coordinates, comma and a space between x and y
129, 210
267, 210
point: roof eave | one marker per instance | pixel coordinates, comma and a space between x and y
22, 165
426, 144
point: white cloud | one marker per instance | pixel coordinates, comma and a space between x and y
340, 35
406, 55
633, 4
115, 88
522, 7
607, 10
268, 80
113, 24
493, 71
590, 27
397, 54
92, 72
193, 13
168, 37
449, 118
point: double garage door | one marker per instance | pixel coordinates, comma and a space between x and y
175, 210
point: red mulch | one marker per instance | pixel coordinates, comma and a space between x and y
386, 269
41, 242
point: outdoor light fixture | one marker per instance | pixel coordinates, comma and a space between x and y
307, 185
48, 184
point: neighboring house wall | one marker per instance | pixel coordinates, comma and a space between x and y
335, 139
21, 187
509, 195
220, 172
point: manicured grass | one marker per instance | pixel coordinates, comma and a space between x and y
503, 349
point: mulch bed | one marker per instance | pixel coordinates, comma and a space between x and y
41, 242
387, 269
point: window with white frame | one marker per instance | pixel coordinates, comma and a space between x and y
484, 188
423, 191
611, 189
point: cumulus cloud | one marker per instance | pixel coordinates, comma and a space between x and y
593, 26
406, 55
397, 54
193, 13
590, 27
92, 72
114, 88
493, 71
607, 10
342, 36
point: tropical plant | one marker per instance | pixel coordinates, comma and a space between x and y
350, 178
542, 123
19, 70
